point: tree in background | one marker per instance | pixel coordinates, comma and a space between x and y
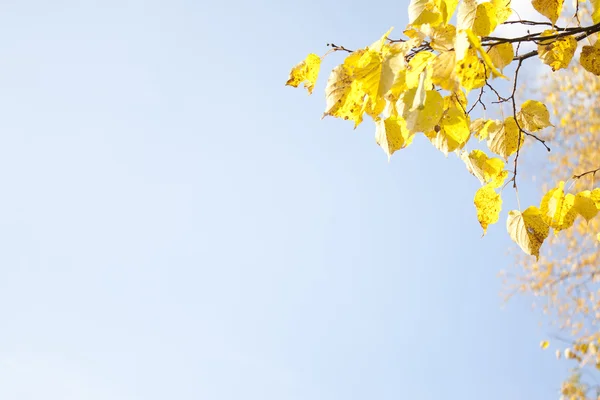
436, 76
565, 277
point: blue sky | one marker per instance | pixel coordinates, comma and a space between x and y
178, 224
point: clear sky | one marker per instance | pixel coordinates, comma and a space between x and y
177, 224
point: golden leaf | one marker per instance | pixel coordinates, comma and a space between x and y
501, 55
391, 134
548, 8
424, 119
557, 53
488, 204
483, 168
585, 205
452, 132
533, 116
423, 12
306, 71
590, 58
527, 229
505, 140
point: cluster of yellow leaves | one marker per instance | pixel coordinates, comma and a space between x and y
558, 210
397, 83
420, 85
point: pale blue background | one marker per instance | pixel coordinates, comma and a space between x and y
177, 224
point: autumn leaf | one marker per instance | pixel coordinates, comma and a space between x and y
423, 12
476, 43
527, 229
548, 8
425, 118
503, 10
391, 134
344, 98
306, 71
501, 54
585, 205
557, 208
467, 12
488, 204
533, 116
471, 72
590, 58
452, 132
485, 19
557, 53
505, 140
596, 11
443, 70
483, 168
487, 128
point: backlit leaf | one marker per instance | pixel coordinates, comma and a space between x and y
483, 168
306, 71
501, 55
585, 205
548, 8
557, 53
452, 132
391, 134
590, 58
505, 140
485, 19
467, 11
423, 12
533, 116
488, 204
527, 229
421, 120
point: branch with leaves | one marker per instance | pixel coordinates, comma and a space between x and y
424, 82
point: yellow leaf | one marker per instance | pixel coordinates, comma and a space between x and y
503, 10
467, 12
483, 168
343, 95
391, 134
585, 205
446, 8
533, 116
487, 128
548, 8
424, 119
557, 209
471, 72
485, 19
557, 53
443, 71
596, 12
415, 66
488, 204
595, 196
544, 344
476, 43
307, 71
501, 55
505, 140
527, 229
590, 58
442, 36
423, 12
499, 179
452, 132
